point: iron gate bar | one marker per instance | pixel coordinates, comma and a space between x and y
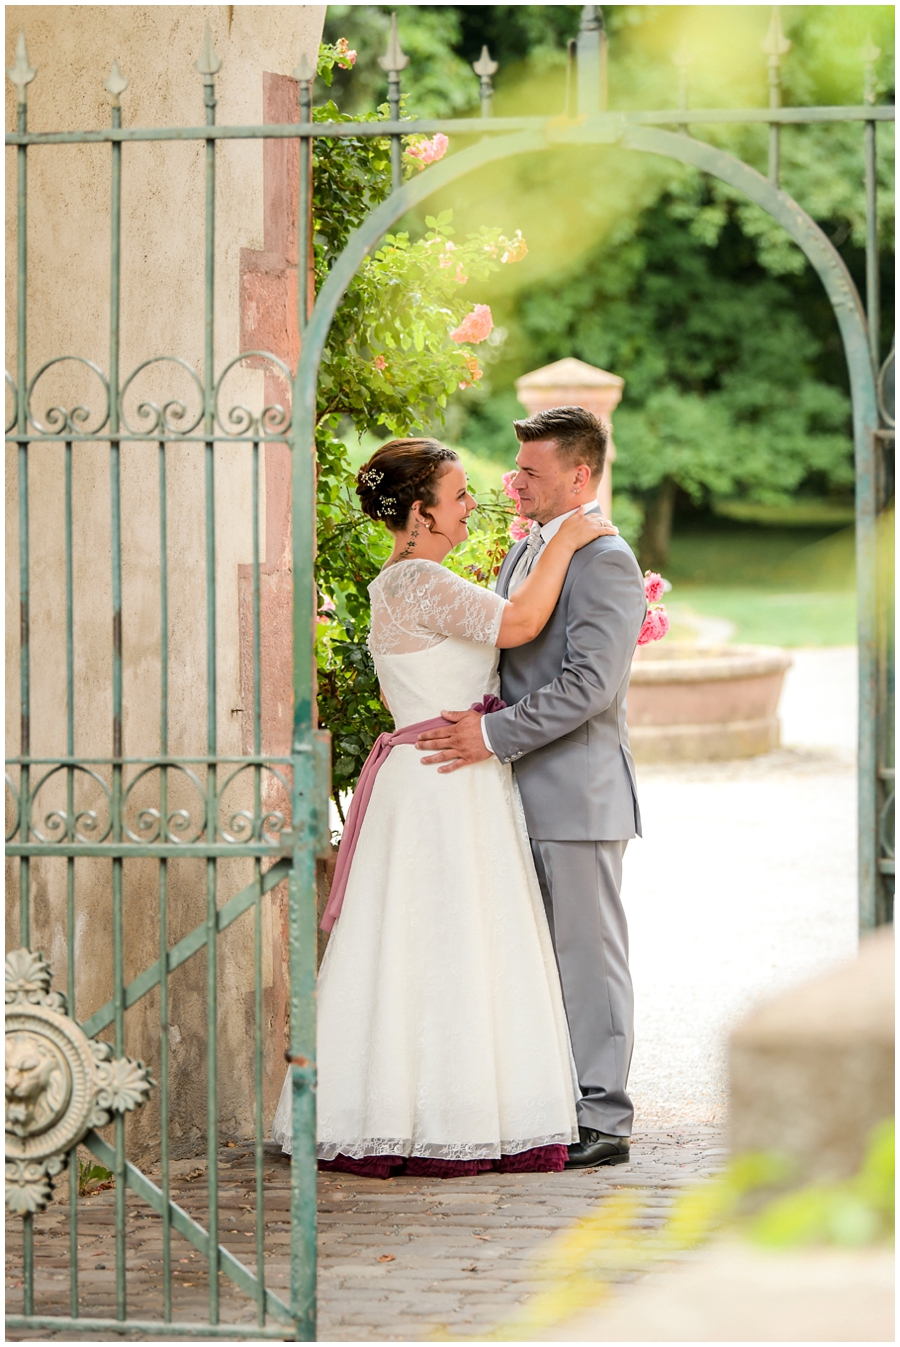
163, 889
188, 945
190, 1229
208, 66
460, 126
184, 1328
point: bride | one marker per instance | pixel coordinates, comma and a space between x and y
442, 1039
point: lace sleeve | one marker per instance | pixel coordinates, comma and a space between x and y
417, 602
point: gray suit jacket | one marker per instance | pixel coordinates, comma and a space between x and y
564, 729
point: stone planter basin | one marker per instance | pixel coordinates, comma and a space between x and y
691, 702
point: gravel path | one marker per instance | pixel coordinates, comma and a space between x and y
744, 884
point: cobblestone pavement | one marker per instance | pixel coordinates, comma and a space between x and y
399, 1260
744, 883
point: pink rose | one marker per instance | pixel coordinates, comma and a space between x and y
507, 489
475, 326
520, 528
654, 587
327, 606
656, 624
379, 362
345, 55
429, 151
446, 260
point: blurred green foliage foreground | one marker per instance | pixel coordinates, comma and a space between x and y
752, 1198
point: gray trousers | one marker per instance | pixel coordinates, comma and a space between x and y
580, 883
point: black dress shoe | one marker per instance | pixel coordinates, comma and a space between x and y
596, 1148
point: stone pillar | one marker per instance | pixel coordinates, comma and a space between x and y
572, 383
812, 1071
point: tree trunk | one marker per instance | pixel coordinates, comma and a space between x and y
656, 533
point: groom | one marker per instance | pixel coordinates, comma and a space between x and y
564, 732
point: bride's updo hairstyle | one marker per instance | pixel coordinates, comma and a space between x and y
399, 473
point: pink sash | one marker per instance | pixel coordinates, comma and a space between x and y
363, 793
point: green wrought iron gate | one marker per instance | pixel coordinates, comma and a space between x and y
134, 809
246, 822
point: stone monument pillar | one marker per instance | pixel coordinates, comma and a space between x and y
572, 383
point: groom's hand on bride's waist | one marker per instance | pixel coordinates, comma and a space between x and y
455, 745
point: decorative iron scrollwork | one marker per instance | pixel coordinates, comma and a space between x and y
59, 1082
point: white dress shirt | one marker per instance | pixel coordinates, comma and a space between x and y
547, 531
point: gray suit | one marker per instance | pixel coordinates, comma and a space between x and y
564, 732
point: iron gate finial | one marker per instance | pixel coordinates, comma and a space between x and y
394, 59
303, 71
591, 62
485, 68
775, 44
20, 72
209, 63
870, 54
116, 84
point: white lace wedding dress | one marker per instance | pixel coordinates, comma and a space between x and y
441, 1030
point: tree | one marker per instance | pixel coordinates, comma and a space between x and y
735, 376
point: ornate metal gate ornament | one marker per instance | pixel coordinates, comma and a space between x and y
59, 1082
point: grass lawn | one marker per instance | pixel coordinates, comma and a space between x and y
779, 586
764, 617
796, 559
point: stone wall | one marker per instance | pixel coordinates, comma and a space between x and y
73, 47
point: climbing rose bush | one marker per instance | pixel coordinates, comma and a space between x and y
333, 54
389, 368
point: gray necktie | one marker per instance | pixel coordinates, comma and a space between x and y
526, 560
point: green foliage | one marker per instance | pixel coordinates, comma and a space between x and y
442, 41
735, 376
390, 365
93, 1178
480, 557
852, 1212
333, 54
629, 517
721, 393
438, 81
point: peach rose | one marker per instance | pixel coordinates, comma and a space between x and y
475, 326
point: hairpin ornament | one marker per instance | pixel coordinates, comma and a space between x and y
371, 477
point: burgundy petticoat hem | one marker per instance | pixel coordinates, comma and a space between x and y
540, 1160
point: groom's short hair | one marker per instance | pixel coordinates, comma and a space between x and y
580, 437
